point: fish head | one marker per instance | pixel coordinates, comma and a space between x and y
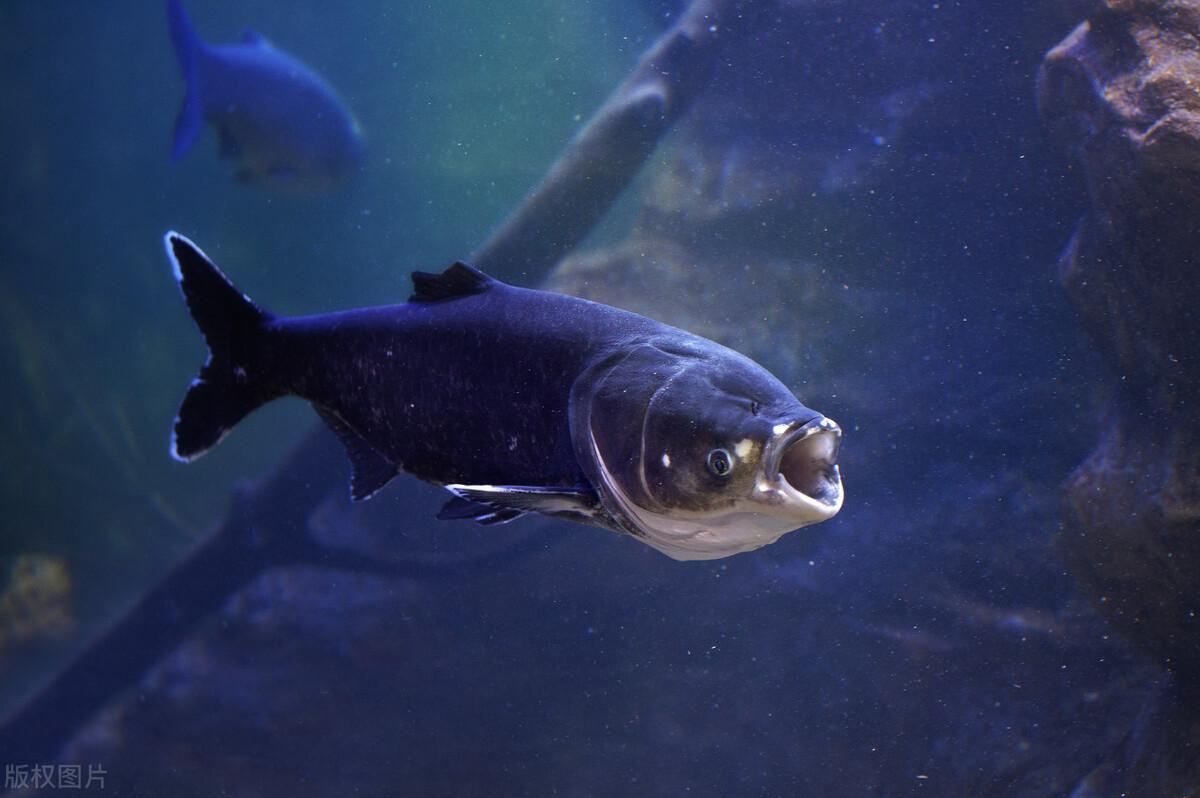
701, 453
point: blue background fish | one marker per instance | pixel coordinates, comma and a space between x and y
280, 121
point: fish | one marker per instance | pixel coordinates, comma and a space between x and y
281, 123
521, 401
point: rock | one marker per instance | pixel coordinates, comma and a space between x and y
1133, 538
1122, 92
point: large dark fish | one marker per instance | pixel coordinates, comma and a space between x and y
280, 122
521, 401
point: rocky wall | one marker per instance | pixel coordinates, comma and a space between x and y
1122, 93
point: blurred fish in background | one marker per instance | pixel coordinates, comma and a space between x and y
279, 121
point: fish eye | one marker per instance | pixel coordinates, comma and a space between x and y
719, 462
755, 407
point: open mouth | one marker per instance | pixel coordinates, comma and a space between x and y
805, 460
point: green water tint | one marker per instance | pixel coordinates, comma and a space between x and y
464, 105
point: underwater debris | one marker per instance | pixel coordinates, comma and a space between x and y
36, 602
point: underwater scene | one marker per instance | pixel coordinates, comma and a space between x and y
624, 397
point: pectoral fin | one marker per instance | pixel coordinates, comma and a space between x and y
498, 504
460, 509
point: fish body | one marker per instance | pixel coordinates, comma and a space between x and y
280, 122
523, 401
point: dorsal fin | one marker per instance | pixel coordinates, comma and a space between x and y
460, 509
456, 281
253, 38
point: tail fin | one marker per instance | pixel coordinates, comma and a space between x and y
188, 49
224, 392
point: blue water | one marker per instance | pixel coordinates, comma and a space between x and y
863, 658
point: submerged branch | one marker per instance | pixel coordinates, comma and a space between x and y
611, 148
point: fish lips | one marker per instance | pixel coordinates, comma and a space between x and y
800, 469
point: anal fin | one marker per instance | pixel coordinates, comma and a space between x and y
370, 470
